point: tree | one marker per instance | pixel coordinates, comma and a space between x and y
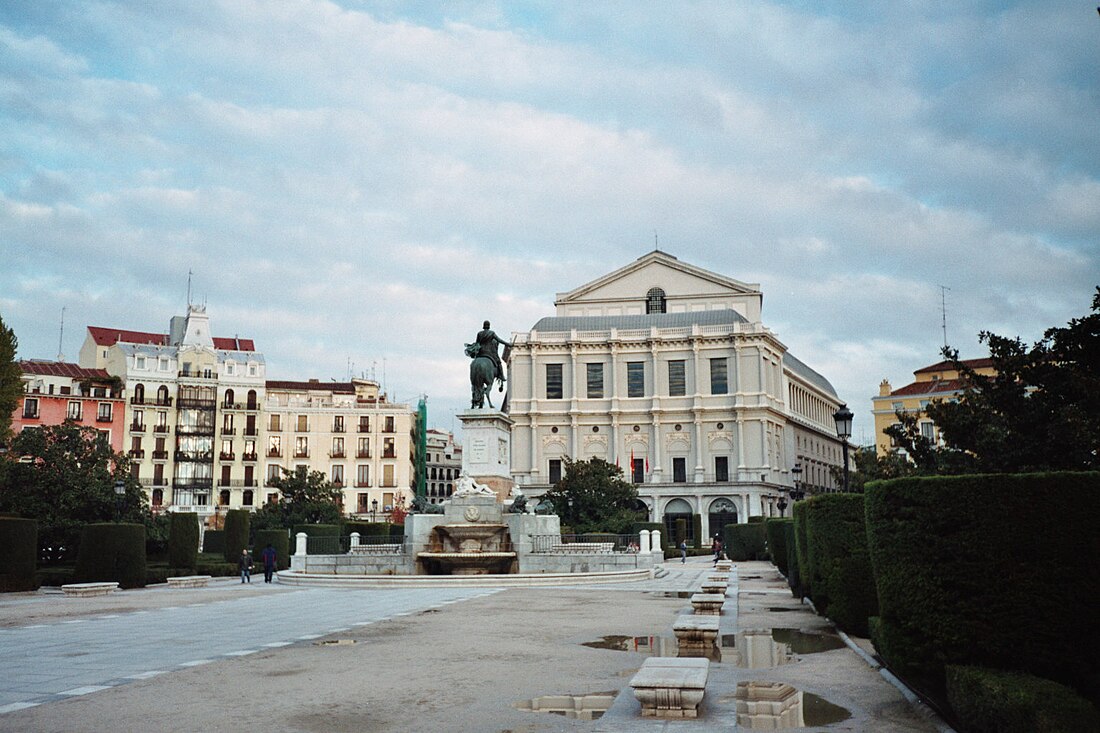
64, 476
921, 454
11, 382
1042, 409
868, 466
308, 497
602, 500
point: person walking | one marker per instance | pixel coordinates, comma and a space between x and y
269, 557
244, 564
717, 547
683, 551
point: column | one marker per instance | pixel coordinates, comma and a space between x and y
643, 541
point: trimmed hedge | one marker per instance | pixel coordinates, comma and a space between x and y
397, 530
775, 531
756, 518
367, 529
213, 542
183, 540
320, 530
18, 554
279, 539
697, 527
112, 552
680, 532
844, 587
801, 550
987, 570
236, 527
994, 701
794, 576
744, 541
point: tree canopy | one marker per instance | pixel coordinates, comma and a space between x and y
308, 497
1040, 412
11, 382
602, 500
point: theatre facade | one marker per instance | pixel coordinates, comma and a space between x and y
666, 370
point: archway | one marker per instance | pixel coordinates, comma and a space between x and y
679, 509
721, 512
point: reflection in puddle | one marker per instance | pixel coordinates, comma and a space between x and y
675, 594
772, 705
779, 609
651, 646
749, 649
579, 707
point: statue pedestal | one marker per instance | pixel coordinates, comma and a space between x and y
487, 449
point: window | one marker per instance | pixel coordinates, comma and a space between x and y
338, 475
677, 386
227, 423
898, 406
162, 395
337, 447
388, 426
139, 362
927, 431
388, 448
637, 471
301, 447
228, 402
718, 381
364, 424
250, 450
362, 503
139, 420
655, 301
595, 381
227, 450
555, 470
246, 497
30, 407
74, 411
273, 472
893, 440
679, 470
104, 412
303, 424
275, 422
553, 382
387, 476
338, 424
363, 451
230, 368
721, 468
274, 446
162, 364
635, 379
362, 475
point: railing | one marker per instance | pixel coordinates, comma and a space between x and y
236, 482
251, 432
298, 453
193, 403
337, 428
137, 400
162, 428
248, 457
342, 545
135, 427
337, 454
364, 428
223, 456
30, 415
103, 418
362, 454
274, 453
164, 402
584, 543
137, 453
160, 455
228, 431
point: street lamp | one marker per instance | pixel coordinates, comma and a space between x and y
782, 503
797, 493
373, 508
120, 493
843, 418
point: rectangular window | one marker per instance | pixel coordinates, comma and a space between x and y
227, 450
74, 412
677, 383
555, 470
927, 431
389, 424
721, 468
301, 447
274, 446
227, 423
338, 424
637, 471
337, 447
362, 503
30, 407
388, 448
679, 470
338, 475
139, 362
364, 448
135, 446
387, 476
635, 379
303, 424
364, 424
362, 475
273, 472
275, 422
553, 382
595, 381
718, 381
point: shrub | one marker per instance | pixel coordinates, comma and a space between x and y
55, 576
279, 539
397, 530
994, 701
183, 540
322, 530
844, 588
236, 533
794, 576
974, 570
112, 552
744, 541
369, 529
756, 518
775, 531
18, 554
349, 528
680, 532
697, 526
213, 542
216, 568
801, 546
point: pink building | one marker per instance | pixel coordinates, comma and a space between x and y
56, 392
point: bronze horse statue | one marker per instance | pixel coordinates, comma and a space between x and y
482, 376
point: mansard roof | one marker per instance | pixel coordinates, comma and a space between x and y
62, 369
111, 336
798, 367
719, 317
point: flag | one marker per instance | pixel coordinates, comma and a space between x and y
647, 464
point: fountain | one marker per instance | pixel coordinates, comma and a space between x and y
472, 538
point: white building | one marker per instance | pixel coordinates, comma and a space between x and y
667, 370
443, 465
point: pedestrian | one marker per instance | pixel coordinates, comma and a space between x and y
683, 551
245, 566
717, 549
269, 556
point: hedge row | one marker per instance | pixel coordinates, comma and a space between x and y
112, 552
775, 531
985, 570
277, 538
802, 550
213, 542
794, 578
843, 586
236, 528
18, 554
992, 701
744, 541
183, 540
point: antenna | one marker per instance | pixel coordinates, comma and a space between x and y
61, 336
189, 273
943, 311
654, 240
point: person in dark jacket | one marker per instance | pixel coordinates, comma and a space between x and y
269, 557
244, 564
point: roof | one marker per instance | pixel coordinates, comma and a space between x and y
312, 384
62, 369
111, 336
650, 320
945, 365
931, 386
799, 368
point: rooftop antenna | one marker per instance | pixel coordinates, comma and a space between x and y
189, 273
943, 311
61, 336
654, 240
383, 375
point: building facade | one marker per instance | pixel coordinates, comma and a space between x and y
666, 370
349, 431
57, 392
443, 465
939, 381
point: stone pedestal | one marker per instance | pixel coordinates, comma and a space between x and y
487, 449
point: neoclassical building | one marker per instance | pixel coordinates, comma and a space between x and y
666, 369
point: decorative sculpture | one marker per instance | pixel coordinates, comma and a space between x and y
486, 367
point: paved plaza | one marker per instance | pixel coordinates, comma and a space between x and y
239, 657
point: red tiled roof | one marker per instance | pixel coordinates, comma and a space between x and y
340, 387
945, 365
62, 369
930, 387
111, 336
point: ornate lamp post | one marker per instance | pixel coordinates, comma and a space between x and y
120, 494
843, 418
782, 503
797, 493
373, 508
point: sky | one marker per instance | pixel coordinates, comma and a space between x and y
357, 185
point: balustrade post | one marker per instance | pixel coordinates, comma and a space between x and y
300, 543
354, 540
643, 541
655, 542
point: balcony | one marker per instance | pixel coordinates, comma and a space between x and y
337, 428
197, 404
206, 375
248, 457
337, 454
77, 415
274, 453
162, 428
194, 429
237, 483
223, 456
364, 427
162, 481
389, 454
205, 456
362, 454
103, 418
163, 402
30, 414
139, 453
137, 400
362, 484
251, 432
301, 453
275, 428
137, 427
160, 455
228, 431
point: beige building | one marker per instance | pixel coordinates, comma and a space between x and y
666, 369
347, 430
443, 464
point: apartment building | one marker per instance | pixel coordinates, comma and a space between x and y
56, 392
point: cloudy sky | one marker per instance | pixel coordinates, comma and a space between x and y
363, 182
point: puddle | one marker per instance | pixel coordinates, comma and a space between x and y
675, 594
577, 707
749, 649
335, 642
777, 609
773, 705
651, 646
751, 577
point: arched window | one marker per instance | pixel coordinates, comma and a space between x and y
139, 393
228, 398
162, 395
247, 498
678, 509
158, 497
252, 399
655, 301
722, 512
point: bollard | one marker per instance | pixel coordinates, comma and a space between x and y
655, 542
300, 544
354, 540
643, 541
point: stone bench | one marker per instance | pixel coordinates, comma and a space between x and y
708, 604
715, 586
719, 577
189, 581
696, 633
84, 590
671, 687
724, 565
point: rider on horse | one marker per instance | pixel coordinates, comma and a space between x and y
487, 342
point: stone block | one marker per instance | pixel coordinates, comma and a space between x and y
671, 687
84, 590
696, 632
708, 604
189, 581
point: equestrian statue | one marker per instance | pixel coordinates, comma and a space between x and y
486, 367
